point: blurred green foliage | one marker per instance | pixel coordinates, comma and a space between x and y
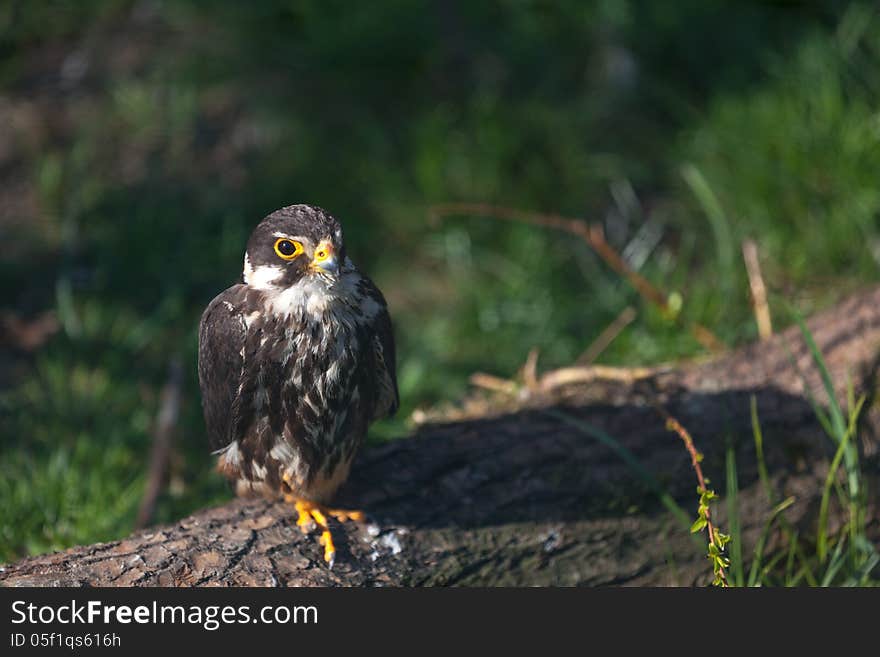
156, 135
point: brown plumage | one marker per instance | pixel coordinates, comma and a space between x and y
296, 361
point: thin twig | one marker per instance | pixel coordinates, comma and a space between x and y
166, 421
674, 425
759, 291
576, 374
493, 383
530, 369
587, 374
607, 336
594, 236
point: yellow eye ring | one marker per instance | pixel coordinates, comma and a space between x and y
287, 249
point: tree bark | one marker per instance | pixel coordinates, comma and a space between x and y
526, 494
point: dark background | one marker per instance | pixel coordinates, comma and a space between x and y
141, 141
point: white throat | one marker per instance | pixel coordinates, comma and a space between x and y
310, 297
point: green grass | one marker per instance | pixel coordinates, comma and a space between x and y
610, 110
846, 558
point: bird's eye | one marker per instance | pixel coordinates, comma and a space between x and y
287, 249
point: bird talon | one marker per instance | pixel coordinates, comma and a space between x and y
344, 515
312, 516
326, 540
305, 522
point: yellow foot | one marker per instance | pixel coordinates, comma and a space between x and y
312, 514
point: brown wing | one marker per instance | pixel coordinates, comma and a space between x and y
221, 340
387, 398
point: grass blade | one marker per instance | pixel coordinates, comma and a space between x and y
736, 557
864, 572
822, 532
762, 541
630, 460
717, 220
837, 560
789, 562
759, 451
838, 424
836, 413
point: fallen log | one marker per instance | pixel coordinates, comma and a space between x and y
525, 494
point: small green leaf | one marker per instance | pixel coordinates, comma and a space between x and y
674, 303
698, 525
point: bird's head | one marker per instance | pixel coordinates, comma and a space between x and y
294, 245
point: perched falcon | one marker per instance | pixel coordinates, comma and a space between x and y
294, 364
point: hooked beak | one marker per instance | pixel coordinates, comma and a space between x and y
325, 259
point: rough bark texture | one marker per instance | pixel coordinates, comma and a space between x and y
525, 496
